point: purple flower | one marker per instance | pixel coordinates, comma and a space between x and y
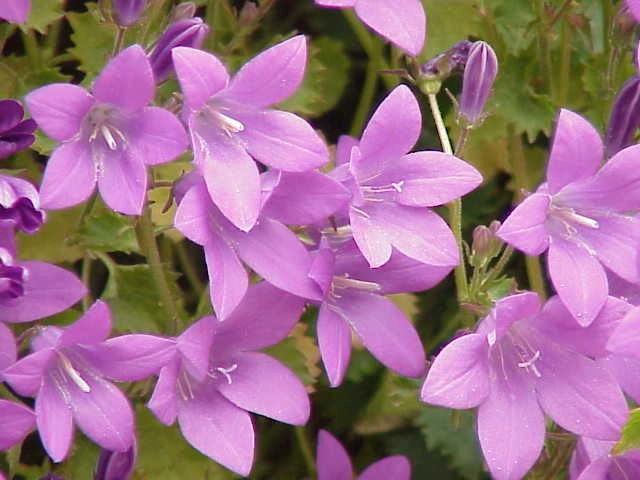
108, 136
15, 11
445, 63
402, 22
20, 204
579, 216
230, 125
513, 373
15, 134
127, 12
479, 74
66, 373
333, 463
625, 117
16, 421
391, 187
216, 377
186, 32
115, 465
592, 460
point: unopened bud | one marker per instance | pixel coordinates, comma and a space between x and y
486, 245
444, 64
189, 32
127, 12
183, 10
115, 465
624, 118
248, 14
479, 74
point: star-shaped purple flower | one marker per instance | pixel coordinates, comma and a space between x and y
109, 136
513, 373
402, 22
15, 11
579, 216
230, 124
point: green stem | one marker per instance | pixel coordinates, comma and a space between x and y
565, 65
303, 443
534, 274
119, 41
500, 265
544, 50
455, 207
462, 141
366, 97
559, 13
86, 279
149, 247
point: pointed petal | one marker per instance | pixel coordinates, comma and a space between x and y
54, 420
334, 342
48, 290
384, 331
506, 312
228, 280
25, 376
576, 151
271, 76
578, 278
126, 81
69, 178
200, 75
93, 327
392, 131
459, 375
525, 227
192, 215
59, 109
156, 136
15, 422
396, 467
332, 459
580, 395
103, 413
343, 149
194, 345
600, 469
218, 429
625, 339
262, 385
265, 317
402, 22
123, 182
8, 349
625, 371
163, 402
371, 238
281, 140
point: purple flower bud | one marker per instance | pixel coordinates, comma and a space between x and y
189, 32
127, 12
445, 63
486, 245
624, 118
20, 204
184, 10
12, 278
15, 134
479, 75
115, 465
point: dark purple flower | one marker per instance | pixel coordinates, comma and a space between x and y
447, 62
116, 465
15, 134
15, 11
625, 117
185, 32
127, 12
20, 204
479, 74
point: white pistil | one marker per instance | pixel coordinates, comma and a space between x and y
346, 282
73, 374
108, 137
227, 371
230, 125
569, 215
530, 364
398, 186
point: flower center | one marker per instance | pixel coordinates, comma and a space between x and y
224, 371
183, 385
227, 124
72, 373
100, 127
344, 281
527, 354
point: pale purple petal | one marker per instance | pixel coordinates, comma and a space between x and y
103, 414
59, 109
54, 420
164, 402
391, 132
506, 312
332, 459
336, 3
122, 182
48, 290
193, 215
15, 11
334, 342
126, 81
525, 227
8, 349
194, 345
156, 136
578, 278
265, 316
626, 337
459, 375
576, 151
371, 238
396, 467
228, 280
625, 371
200, 75
262, 385
16, 421
92, 328
579, 395
281, 140
271, 76
402, 22
343, 149
384, 331
218, 429
69, 178
25, 376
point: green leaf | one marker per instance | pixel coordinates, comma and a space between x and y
43, 13
324, 81
18, 76
454, 440
630, 437
93, 39
107, 232
515, 22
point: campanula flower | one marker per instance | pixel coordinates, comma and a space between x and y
127, 12
115, 465
20, 204
15, 11
15, 133
108, 136
480, 72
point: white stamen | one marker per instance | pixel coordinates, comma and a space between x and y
231, 125
74, 375
227, 371
108, 137
344, 282
398, 186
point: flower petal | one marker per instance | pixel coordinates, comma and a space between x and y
54, 420
396, 467
69, 178
271, 76
228, 280
576, 151
192, 217
459, 375
25, 376
332, 459
200, 75
48, 290
334, 342
506, 312
156, 136
525, 227
218, 429
93, 327
126, 81
8, 349
625, 371
194, 345
578, 278
164, 402
123, 182
402, 22
371, 238
15, 422
15, 11
624, 339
